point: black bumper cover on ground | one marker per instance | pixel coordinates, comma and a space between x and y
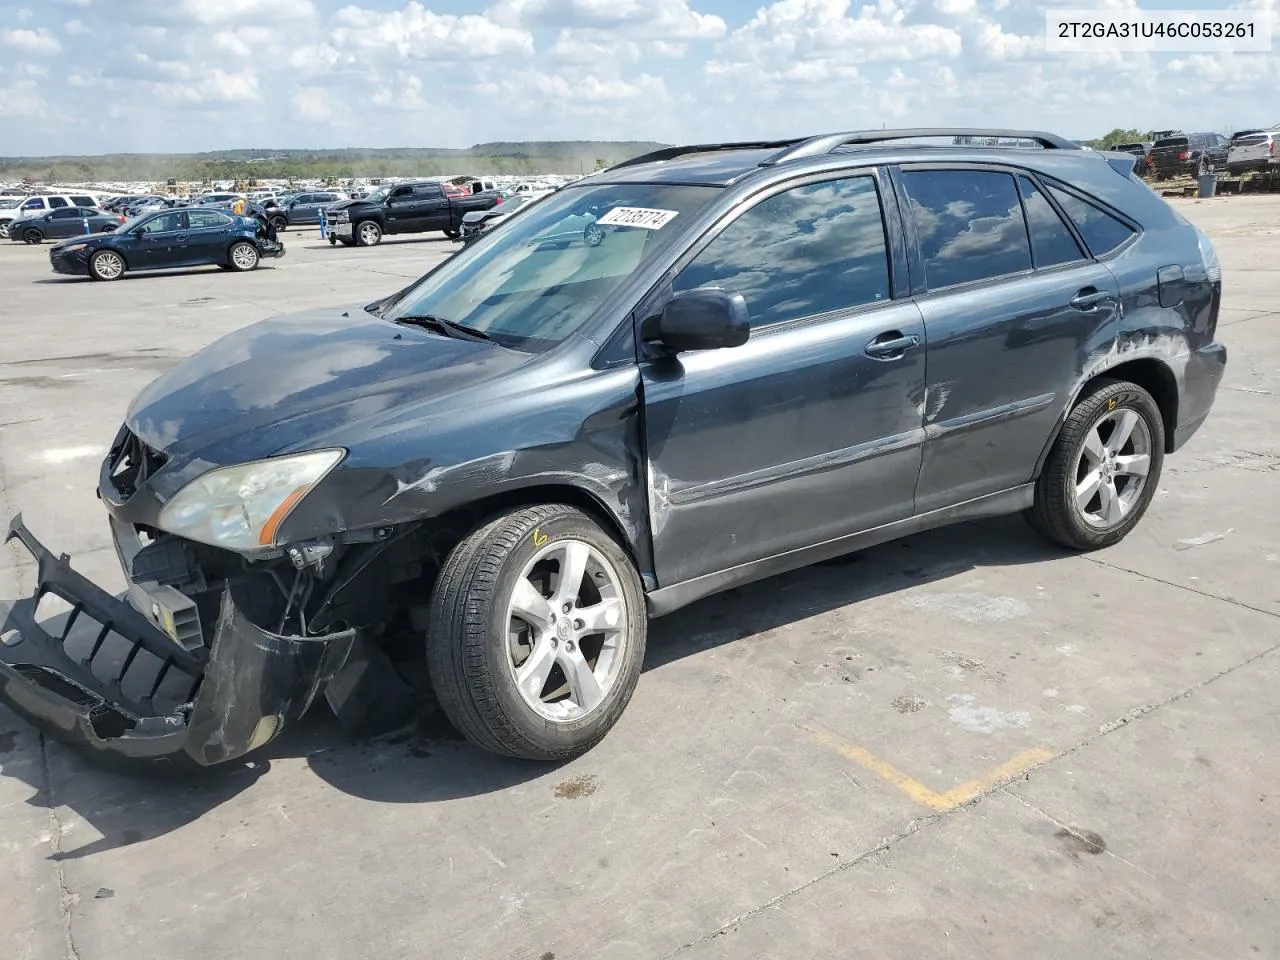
243, 689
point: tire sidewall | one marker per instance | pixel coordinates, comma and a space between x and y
1103, 403
547, 734
359, 233
32, 236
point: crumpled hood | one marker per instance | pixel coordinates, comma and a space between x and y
301, 382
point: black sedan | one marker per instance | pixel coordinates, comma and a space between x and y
168, 238
62, 223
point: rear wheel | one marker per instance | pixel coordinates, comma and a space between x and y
536, 634
453, 234
368, 233
1103, 469
32, 235
106, 265
243, 257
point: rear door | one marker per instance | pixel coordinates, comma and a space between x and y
1013, 309
811, 430
433, 207
208, 236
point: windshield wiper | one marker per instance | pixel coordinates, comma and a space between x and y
441, 325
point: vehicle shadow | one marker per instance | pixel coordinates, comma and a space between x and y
429, 762
210, 270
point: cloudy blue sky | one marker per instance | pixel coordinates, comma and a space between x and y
94, 76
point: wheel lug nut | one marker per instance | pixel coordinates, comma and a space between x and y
567, 607
568, 645
577, 624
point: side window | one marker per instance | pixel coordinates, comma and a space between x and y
70, 213
1102, 232
205, 219
969, 225
82, 201
1051, 241
806, 251
57, 202
35, 203
165, 223
429, 191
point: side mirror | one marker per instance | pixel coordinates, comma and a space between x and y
139, 231
704, 319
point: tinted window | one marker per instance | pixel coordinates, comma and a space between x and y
165, 223
203, 219
969, 225
803, 252
1051, 241
429, 191
1171, 142
70, 213
1101, 231
57, 202
82, 201
35, 203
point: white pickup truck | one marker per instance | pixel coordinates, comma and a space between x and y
1254, 150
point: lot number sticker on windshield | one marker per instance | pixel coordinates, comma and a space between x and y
637, 217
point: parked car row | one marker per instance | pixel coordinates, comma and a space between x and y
1177, 154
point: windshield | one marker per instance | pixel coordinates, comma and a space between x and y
8, 204
379, 195
534, 282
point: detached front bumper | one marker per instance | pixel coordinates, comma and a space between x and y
231, 697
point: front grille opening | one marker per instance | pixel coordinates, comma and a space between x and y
57, 684
131, 462
109, 723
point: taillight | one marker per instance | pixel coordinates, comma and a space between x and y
1184, 155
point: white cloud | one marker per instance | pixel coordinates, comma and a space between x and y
315, 105
993, 43
216, 86
39, 41
955, 8
77, 28
21, 99
415, 32
637, 19
211, 12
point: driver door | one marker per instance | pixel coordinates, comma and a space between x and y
401, 210
812, 430
162, 241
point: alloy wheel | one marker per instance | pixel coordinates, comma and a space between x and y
566, 630
369, 234
244, 257
1112, 467
109, 265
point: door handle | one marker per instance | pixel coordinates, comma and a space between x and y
181, 238
1089, 298
891, 345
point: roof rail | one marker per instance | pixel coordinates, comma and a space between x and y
820, 146
670, 153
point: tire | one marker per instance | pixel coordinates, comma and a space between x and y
593, 235
1072, 505
107, 265
333, 241
453, 234
472, 651
32, 235
279, 224
367, 233
243, 257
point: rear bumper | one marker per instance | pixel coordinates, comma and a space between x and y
1199, 387
159, 702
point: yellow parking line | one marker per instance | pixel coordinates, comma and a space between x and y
917, 791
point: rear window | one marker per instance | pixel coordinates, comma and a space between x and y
1101, 231
1171, 142
1249, 140
82, 201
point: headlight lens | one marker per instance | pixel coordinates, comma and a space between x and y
242, 507
72, 247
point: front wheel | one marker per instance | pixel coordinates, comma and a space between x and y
368, 234
106, 265
1103, 469
536, 634
32, 235
243, 257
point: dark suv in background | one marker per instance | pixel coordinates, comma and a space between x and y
755, 356
1189, 154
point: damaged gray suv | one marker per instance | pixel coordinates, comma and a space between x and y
703, 367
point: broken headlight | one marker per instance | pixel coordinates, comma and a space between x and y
241, 507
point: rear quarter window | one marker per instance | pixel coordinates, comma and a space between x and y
1102, 232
